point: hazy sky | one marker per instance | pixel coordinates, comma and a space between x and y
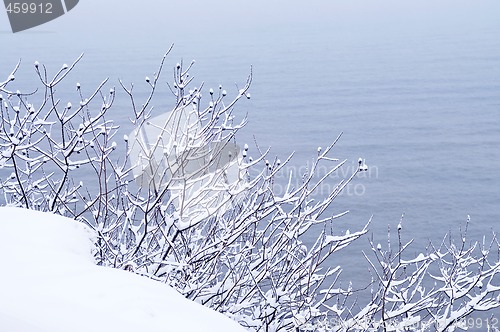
177, 17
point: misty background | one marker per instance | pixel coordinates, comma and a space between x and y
413, 85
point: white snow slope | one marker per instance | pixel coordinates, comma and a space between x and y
49, 283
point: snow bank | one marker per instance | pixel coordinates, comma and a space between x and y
49, 283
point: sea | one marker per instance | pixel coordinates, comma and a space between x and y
413, 89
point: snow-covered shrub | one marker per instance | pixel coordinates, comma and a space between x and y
437, 290
170, 206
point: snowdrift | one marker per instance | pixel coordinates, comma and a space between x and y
49, 283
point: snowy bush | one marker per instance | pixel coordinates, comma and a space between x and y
437, 290
186, 206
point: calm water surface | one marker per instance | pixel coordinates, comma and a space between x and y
420, 105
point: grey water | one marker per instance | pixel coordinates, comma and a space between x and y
414, 88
